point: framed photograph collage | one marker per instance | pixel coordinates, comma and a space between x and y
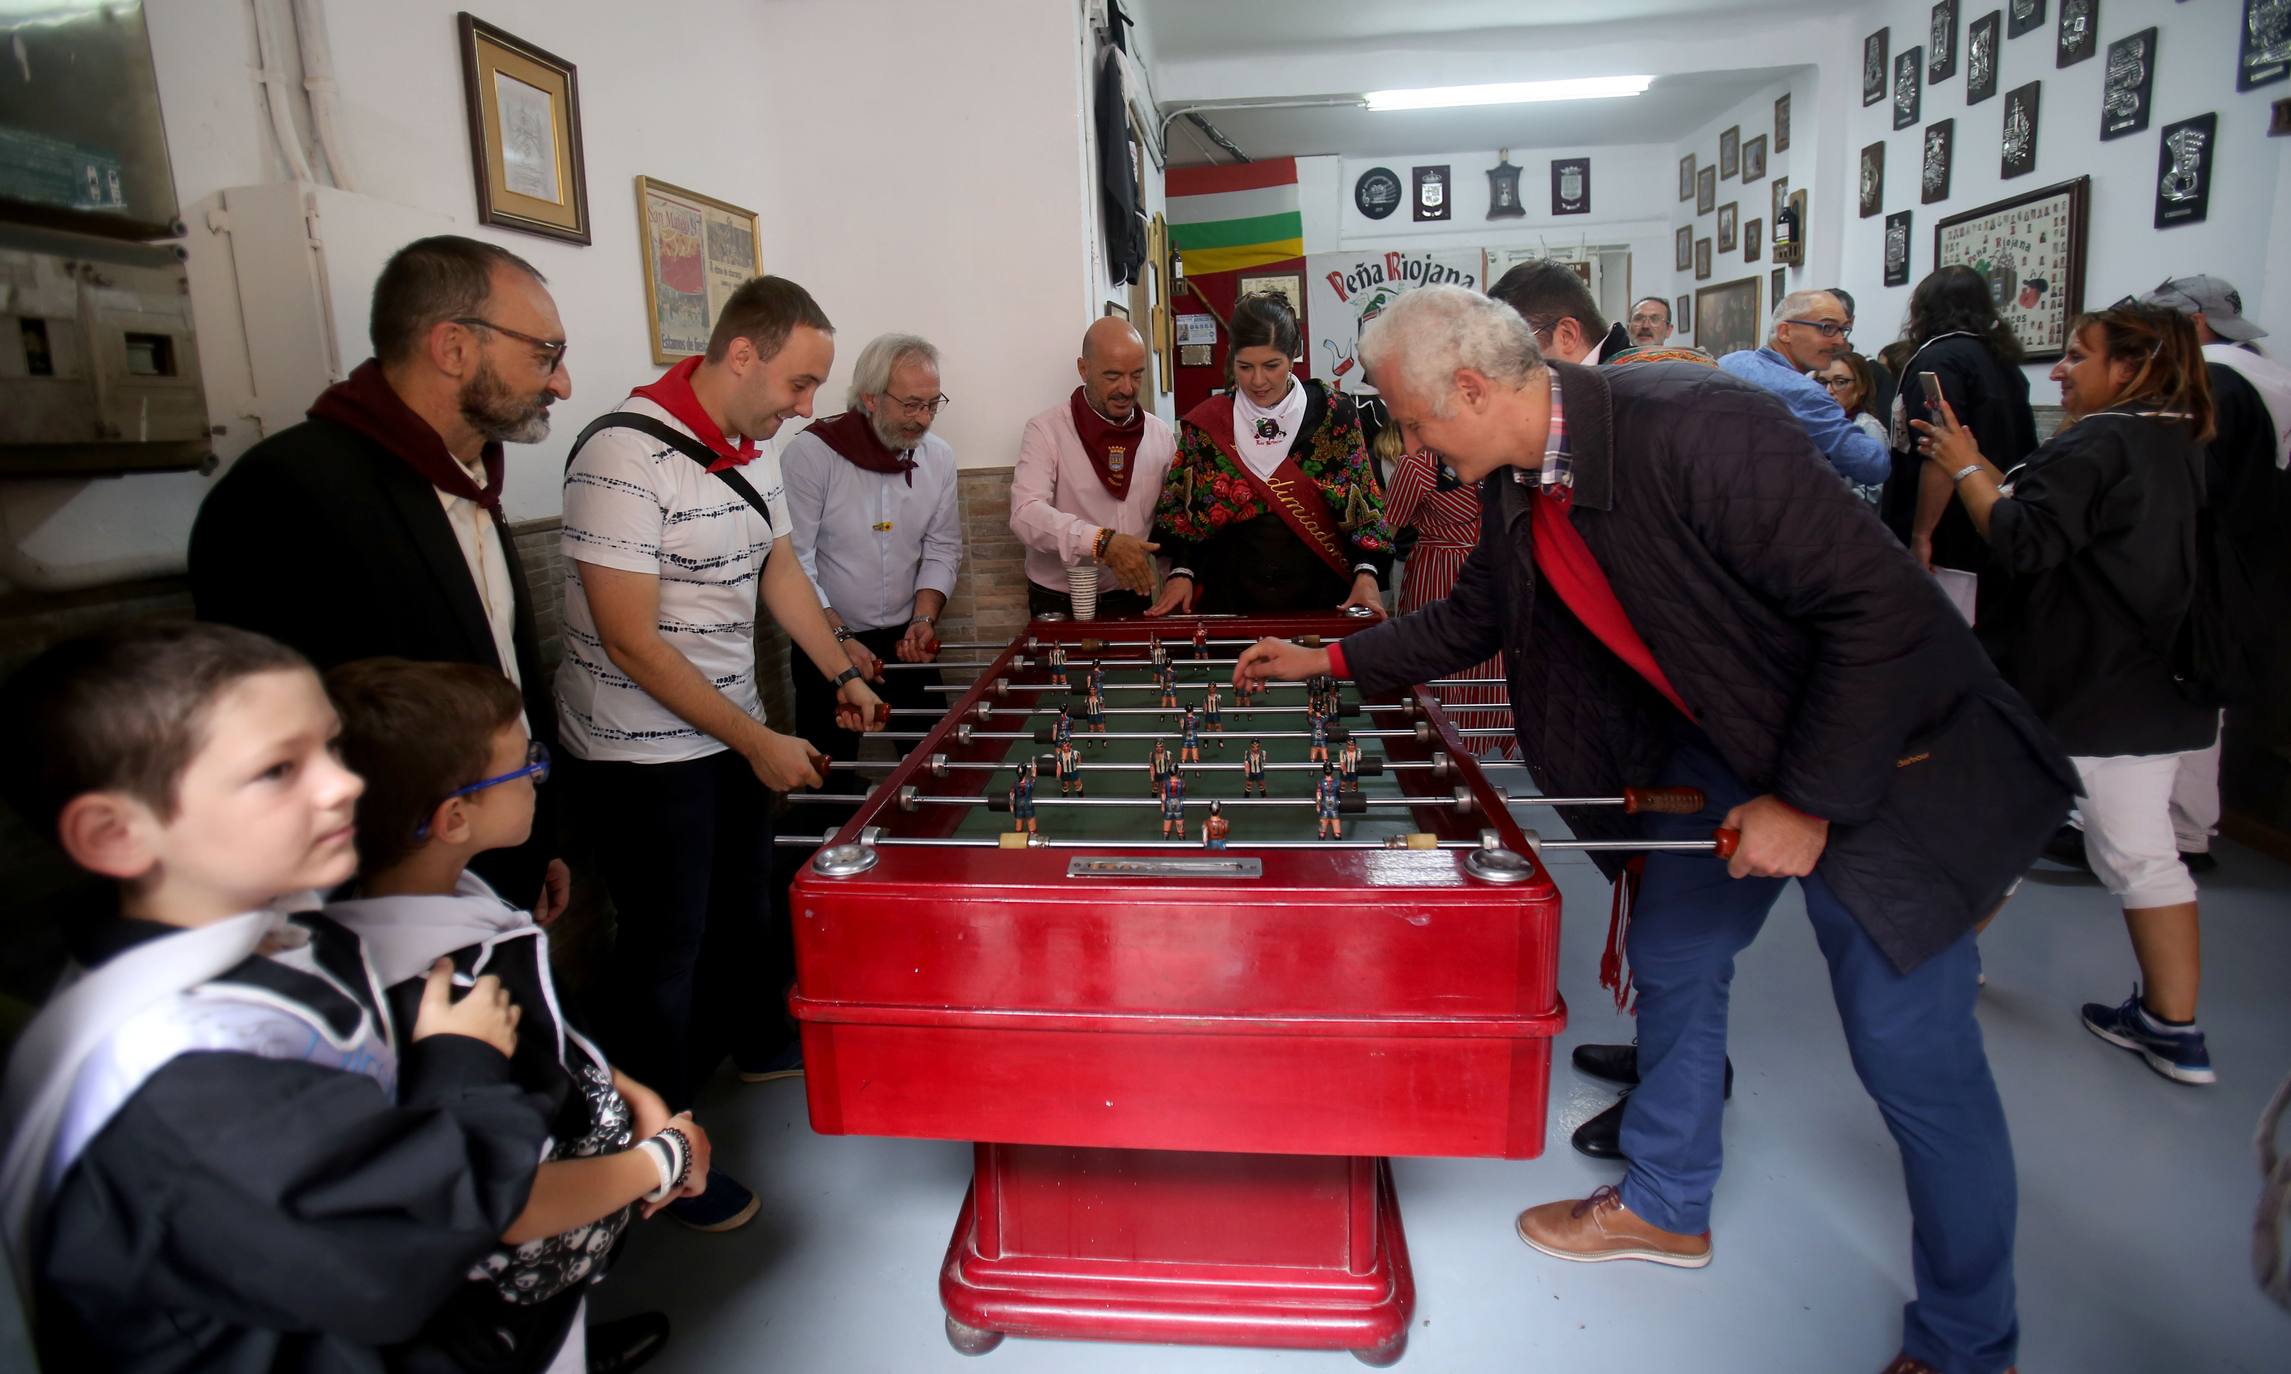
1725, 317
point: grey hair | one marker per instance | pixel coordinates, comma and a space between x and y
1795, 304
1428, 335
871, 375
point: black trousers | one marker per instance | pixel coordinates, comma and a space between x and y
701, 955
901, 688
1113, 603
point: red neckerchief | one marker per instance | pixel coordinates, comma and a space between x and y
1567, 565
1112, 448
366, 404
852, 435
673, 393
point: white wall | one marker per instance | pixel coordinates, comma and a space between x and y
2241, 240
1754, 117
892, 180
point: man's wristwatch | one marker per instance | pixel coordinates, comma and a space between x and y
842, 634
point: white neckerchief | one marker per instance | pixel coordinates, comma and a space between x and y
1263, 446
2267, 377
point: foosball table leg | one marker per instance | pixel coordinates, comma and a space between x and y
969, 1340
1376, 1357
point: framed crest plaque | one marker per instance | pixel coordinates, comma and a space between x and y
2020, 130
1941, 43
1571, 186
2264, 53
1908, 88
2127, 84
2183, 171
1432, 200
1874, 66
1873, 180
2024, 16
1981, 57
1897, 249
1933, 179
2079, 34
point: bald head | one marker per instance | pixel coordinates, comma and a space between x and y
1113, 368
1808, 328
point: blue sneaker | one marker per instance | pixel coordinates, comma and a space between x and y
725, 1205
2176, 1054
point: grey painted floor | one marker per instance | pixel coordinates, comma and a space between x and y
2136, 1193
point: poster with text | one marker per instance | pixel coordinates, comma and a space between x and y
1346, 291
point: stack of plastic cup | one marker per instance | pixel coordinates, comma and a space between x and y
1082, 581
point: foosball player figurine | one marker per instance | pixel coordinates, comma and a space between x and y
1156, 652
1022, 798
1319, 751
1169, 684
1173, 803
1160, 765
1094, 712
1253, 769
1097, 678
1189, 737
1213, 830
1057, 665
1063, 731
1201, 641
1213, 713
1348, 765
1068, 763
1325, 803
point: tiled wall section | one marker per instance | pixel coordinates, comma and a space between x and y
989, 604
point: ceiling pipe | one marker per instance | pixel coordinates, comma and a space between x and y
1318, 103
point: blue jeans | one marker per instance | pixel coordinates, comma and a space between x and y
1914, 1042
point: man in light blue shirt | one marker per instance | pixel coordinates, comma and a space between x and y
1811, 331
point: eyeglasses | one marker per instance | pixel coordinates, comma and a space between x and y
1828, 329
916, 405
552, 350
536, 767
1833, 383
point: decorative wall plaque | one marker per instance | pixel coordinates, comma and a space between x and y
1503, 189
1432, 200
1897, 249
2183, 171
1571, 186
2127, 84
2020, 130
1908, 88
1981, 57
1377, 194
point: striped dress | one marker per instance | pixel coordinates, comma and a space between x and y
1447, 525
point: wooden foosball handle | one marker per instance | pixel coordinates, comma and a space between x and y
1667, 801
1723, 841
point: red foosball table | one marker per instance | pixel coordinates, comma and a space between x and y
1182, 1067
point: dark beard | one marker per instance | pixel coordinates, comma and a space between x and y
501, 415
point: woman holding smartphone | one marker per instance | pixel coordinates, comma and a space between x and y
2092, 547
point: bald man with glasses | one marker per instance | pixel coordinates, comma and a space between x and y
1811, 330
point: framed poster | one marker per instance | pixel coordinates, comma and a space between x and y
1683, 315
2025, 16
1290, 285
2020, 130
1933, 180
1702, 259
1753, 239
1873, 180
1754, 160
1897, 249
1981, 57
1941, 43
1728, 216
1730, 151
2127, 84
2031, 250
697, 251
2183, 171
524, 134
1782, 122
1685, 249
1908, 88
1777, 286
1727, 317
1706, 190
2264, 53
1686, 177
2079, 35
1874, 66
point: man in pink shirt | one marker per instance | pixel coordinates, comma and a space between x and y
1089, 473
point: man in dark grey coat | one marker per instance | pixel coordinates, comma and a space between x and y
1683, 596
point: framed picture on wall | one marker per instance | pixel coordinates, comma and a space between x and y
2020, 130
1686, 177
1941, 43
1730, 152
1897, 249
524, 134
1782, 122
1682, 315
1874, 66
1777, 286
2079, 33
1873, 180
1727, 317
2031, 250
1706, 190
2183, 171
1290, 285
1933, 180
2264, 55
1981, 57
697, 252
1728, 216
1685, 247
1781, 197
1702, 259
2024, 16
1753, 239
2127, 84
1754, 160
1908, 88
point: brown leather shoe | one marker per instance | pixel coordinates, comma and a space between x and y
1601, 1228
1906, 1364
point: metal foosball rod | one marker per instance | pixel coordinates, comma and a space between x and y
1002, 686
965, 734
856, 858
941, 766
983, 712
1673, 801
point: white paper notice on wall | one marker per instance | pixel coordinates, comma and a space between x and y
1196, 329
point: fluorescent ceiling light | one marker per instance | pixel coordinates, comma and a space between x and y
1509, 93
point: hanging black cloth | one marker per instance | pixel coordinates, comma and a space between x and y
1118, 194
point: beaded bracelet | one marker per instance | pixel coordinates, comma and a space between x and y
679, 1147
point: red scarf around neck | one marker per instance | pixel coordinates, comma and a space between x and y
366, 403
1112, 448
852, 434
673, 393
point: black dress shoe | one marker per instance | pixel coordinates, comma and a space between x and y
620, 1346
1602, 1136
1620, 1064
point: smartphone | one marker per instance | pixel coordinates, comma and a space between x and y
1931, 381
